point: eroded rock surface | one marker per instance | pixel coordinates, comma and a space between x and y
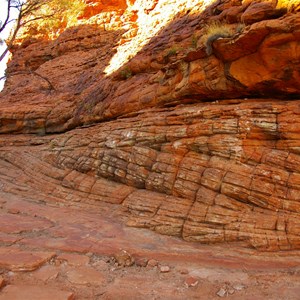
122, 59
126, 120
88, 253
214, 172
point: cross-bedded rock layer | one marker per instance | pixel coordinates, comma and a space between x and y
215, 172
160, 137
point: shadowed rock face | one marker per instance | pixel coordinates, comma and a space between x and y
204, 147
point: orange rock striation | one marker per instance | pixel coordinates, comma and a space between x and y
196, 145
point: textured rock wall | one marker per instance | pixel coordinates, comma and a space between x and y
68, 81
204, 147
214, 172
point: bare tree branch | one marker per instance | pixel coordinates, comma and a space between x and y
37, 18
34, 73
7, 16
51, 87
18, 26
30, 11
24, 10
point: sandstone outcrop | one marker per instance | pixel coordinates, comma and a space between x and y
128, 108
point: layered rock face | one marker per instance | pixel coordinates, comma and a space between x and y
193, 137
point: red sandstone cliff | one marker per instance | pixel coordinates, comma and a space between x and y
201, 146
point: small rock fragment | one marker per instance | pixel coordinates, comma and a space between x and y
164, 269
222, 292
191, 281
141, 262
152, 263
124, 259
